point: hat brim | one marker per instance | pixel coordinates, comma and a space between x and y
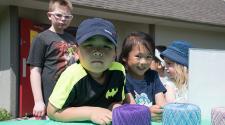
174, 56
94, 33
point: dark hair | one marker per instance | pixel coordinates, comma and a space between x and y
60, 2
160, 48
133, 39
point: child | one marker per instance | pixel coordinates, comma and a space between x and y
158, 64
89, 90
51, 52
176, 58
142, 84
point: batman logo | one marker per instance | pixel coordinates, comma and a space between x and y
111, 93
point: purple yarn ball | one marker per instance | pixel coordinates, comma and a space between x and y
131, 114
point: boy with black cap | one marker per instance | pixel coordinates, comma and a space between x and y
89, 90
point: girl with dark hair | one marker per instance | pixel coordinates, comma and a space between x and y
143, 85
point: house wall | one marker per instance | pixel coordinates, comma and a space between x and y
124, 28
9, 59
163, 34
4, 59
199, 38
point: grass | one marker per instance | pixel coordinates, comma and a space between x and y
4, 115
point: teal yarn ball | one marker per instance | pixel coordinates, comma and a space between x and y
181, 114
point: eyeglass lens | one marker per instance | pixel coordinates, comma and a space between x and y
60, 16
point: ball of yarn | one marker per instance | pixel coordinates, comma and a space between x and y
181, 114
218, 116
131, 114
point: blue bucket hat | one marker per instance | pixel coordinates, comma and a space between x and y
178, 51
96, 26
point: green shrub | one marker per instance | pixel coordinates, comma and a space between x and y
4, 115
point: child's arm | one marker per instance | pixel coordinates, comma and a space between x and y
115, 104
160, 99
35, 79
156, 110
95, 114
170, 94
129, 99
156, 113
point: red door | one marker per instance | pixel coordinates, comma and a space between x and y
28, 30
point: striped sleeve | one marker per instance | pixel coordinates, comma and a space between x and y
120, 67
65, 84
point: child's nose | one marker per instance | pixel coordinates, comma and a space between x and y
143, 60
165, 68
97, 54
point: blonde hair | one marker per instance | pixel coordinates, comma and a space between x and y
66, 3
181, 75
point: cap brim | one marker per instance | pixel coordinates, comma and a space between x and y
173, 56
94, 33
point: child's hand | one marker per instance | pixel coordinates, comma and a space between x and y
156, 113
39, 109
101, 116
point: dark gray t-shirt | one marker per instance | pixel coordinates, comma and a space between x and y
51, 52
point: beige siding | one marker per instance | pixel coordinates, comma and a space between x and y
199, 38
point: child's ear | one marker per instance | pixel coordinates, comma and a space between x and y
75, 48
124, 59
75, 51
159, 66
76, 56
125, 63
115, 56
49, 16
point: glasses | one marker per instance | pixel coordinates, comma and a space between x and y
60, 16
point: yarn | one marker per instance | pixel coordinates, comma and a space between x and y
131, 114
181, 114
218, 116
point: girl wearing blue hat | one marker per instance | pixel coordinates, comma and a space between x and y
176, 57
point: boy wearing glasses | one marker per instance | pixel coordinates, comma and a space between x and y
51, 52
